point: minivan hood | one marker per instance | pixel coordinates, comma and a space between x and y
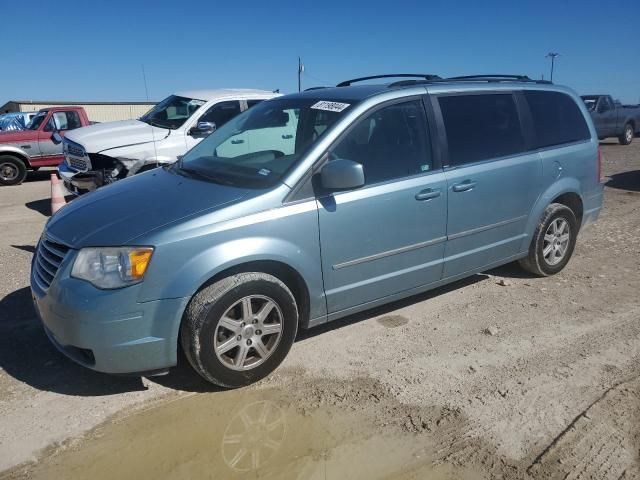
118, 213
104, 136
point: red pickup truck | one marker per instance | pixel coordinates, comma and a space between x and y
39, 145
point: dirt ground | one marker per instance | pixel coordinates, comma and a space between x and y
498, 376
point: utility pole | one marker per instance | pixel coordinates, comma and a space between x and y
552, 56
300, 72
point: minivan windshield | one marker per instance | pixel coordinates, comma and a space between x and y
172, 112
256, 148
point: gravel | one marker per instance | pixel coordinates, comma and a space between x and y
517, 377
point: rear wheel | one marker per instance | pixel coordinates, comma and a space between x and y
627, 135
553, 241
239, 329
13, 171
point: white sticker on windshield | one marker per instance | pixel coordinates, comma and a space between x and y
196, 102
330, 106
264, 171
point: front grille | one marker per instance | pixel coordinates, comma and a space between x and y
75, 149
77, 164
76, 156
49, 256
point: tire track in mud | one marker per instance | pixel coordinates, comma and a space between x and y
602, 441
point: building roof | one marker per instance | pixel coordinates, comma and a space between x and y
211, 94
76, 102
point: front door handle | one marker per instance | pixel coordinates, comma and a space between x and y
427, 194
236, 142
464, 186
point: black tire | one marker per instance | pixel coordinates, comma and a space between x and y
535, 262
204, 312
627, 135
13, 171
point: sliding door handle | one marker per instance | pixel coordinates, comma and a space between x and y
464, 186
427, 194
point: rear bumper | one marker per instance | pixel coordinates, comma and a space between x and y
592, 207
108, 330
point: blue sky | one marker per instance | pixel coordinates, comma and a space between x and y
93, 50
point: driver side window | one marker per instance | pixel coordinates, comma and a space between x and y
390, 143
221, 113
605, 104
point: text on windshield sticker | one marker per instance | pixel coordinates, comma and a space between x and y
330, 106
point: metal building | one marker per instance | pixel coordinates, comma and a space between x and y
97, 111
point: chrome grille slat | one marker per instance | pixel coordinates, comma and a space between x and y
43, 264
49, 257
46, 277
55, 250
54, 261
39, 281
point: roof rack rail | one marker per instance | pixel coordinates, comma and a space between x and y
424, 76
496, 78
314, 88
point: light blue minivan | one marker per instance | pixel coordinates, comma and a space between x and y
310, 207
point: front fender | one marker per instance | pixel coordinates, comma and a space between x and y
560, 187
17, 151
180, 275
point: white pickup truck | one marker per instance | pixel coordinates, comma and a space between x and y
103, 153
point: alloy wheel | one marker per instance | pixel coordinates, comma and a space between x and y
556, 241
248, 333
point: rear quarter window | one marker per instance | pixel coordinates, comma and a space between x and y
557, 119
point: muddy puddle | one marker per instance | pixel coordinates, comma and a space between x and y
251, 433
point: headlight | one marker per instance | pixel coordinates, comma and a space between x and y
112, 267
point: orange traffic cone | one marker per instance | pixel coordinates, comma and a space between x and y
57, 195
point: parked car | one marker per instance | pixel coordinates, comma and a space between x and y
101, 154
39, 145
374, 193
10, 122
613, 119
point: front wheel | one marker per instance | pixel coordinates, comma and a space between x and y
553, 241
13, 171
627, 135
239, 329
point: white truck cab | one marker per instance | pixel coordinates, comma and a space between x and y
103, 153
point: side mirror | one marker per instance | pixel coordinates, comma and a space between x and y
56, 137
341, 174
202, 129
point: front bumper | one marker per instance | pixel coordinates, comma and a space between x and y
78, 183
108, 330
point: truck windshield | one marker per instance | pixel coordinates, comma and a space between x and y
256, 148
172, 112
36, 121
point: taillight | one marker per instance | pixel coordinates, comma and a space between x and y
600, 179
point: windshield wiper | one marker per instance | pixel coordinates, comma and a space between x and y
194, 173
153, 123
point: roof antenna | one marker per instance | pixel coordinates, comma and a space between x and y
153, 136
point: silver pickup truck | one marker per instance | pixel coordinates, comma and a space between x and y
612, 119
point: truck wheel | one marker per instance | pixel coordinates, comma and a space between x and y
239, 329
553, 241
13, 171
627, 135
